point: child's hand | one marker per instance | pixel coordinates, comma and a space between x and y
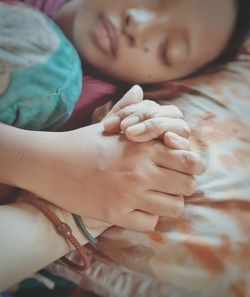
146, 120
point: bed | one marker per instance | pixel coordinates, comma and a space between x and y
206, 252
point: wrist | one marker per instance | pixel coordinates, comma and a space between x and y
68, 218
62, 229
94, 227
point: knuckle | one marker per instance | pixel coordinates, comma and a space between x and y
151, 104
191, 162
189, 186
154, 221
186, 129
149, 224
202, 167
177, 111
126, 111
194, 164
149, 125
121, 114
150, 109
143, 110
178, 209
154, 124
158, 123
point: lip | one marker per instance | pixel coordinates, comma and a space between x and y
106, 35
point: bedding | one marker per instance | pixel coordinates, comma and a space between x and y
206, 252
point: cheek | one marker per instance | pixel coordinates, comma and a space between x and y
79, 36
136, 66
131, 65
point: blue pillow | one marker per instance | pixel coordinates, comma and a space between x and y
40, 71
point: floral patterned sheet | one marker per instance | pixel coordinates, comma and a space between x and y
206, 252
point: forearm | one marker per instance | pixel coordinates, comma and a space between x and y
22, 154
29, 242
45, 163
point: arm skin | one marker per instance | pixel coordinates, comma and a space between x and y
29, 242
81, 170
22, 153
25, 227
81, 176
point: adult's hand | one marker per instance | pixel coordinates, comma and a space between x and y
105, 177
112, 179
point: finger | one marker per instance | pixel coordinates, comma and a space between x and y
100, 112
138, 221
184, 161
155, 127
133, 114
95, 225
134, 95
137, 113
175, 141
147, 109
172, 182
161, 204
170, 111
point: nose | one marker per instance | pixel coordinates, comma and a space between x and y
134, 23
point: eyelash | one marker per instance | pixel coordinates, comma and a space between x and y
164, 53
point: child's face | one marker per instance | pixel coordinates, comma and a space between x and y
148, 41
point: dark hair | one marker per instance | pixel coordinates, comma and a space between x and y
241, 30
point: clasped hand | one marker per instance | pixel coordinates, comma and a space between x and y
124, 175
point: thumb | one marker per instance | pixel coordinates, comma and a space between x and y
134, 95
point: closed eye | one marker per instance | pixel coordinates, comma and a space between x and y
164, 53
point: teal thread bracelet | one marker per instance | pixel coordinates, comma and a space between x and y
81, 225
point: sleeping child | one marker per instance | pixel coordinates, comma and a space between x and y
133, 41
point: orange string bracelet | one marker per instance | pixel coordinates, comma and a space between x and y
62, 229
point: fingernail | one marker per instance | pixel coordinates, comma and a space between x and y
130, 121
174, 137
178, 139
111, 123
136, 130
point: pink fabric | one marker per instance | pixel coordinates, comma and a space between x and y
95, 93
49, 7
